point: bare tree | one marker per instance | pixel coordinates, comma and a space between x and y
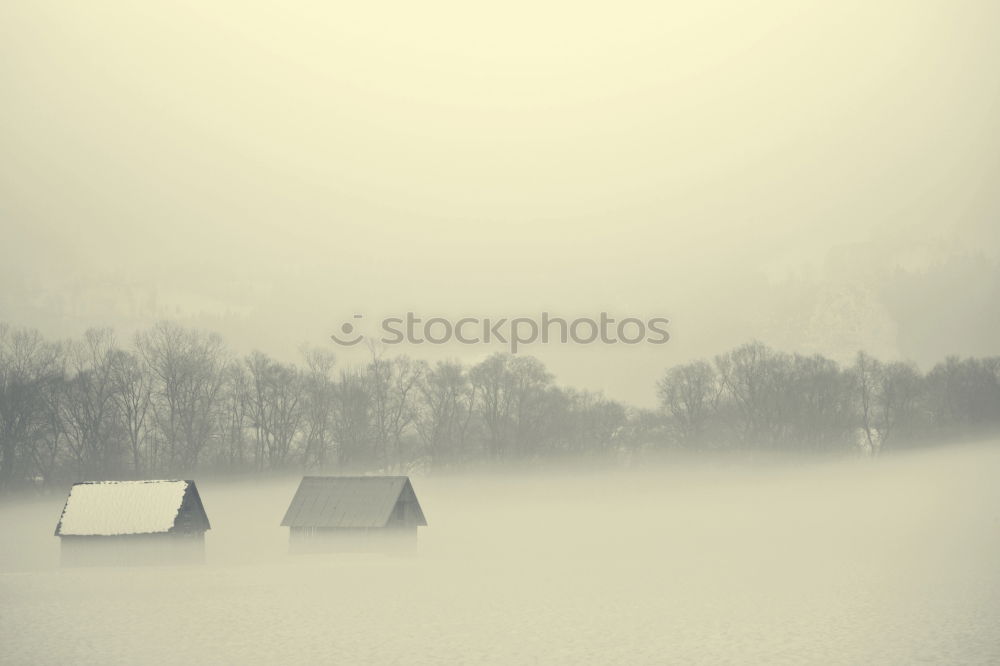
187, 368
352, 420
512, 403
444, 416
866, 374
690, 393
393, 385
89, 408
887, 396
318, 406
234, 417
754, 377
132, 394
900, 389
30, 373
48, 445
821, 415
584, 423
963, 396
275, 397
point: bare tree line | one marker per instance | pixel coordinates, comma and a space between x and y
174, 401
754, 397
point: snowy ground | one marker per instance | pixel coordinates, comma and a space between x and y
888, 562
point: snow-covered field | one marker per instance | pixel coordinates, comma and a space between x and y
860, 562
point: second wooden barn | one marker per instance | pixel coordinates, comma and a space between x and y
354, 513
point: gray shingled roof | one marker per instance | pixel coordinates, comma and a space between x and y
348, 501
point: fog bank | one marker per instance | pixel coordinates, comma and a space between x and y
890, 561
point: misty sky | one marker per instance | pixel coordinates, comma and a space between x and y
821, 176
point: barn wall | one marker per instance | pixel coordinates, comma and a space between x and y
404, 514
132, 550
389, 540
191, 516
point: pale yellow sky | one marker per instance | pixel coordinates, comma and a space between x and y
746, 170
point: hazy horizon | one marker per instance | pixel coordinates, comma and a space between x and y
820, 178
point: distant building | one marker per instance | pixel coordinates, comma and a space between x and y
132, 522
354, 513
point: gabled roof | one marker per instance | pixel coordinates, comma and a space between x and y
113, 508
349, 501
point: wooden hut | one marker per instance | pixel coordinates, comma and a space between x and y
132, 522
354, 513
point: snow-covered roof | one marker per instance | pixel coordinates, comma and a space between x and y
109, 508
